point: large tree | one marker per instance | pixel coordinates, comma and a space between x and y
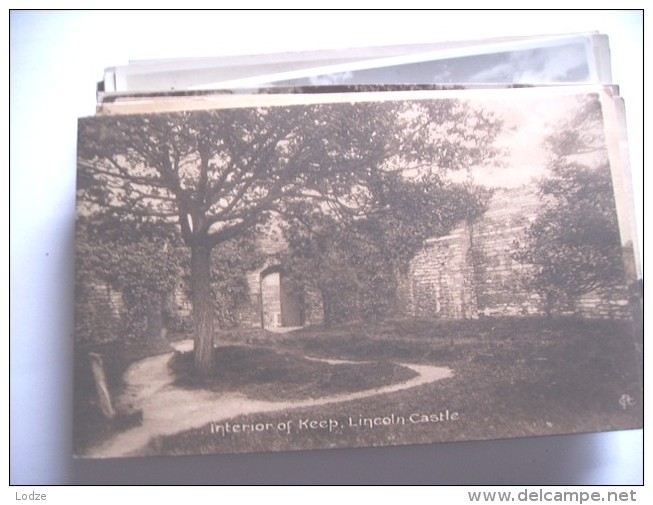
574, 243
217, 175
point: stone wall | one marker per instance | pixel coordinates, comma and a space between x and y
469, 273
439, 280
472, 272
258, 312
498, 276
253, 314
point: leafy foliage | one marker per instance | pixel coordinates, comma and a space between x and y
148, 275
144, 275
574, 242
230, 263
353, 259
355, 265
215, 176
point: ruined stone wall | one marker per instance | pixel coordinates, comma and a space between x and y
498, 276
273, 245
472, 271
439, 280
613, 305
469, 273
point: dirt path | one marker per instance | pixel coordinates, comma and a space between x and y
168, 410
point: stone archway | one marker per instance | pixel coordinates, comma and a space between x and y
282, 303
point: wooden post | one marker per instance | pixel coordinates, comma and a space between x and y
104, 396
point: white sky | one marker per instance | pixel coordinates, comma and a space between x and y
527, 122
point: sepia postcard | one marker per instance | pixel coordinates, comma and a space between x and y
283, 272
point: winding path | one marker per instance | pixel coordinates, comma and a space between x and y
168, 409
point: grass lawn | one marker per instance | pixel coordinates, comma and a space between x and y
512, 378
268, 374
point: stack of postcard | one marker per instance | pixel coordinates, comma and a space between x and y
372, 247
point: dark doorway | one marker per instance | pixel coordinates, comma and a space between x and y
282, 304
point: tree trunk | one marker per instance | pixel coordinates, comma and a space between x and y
202, 308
